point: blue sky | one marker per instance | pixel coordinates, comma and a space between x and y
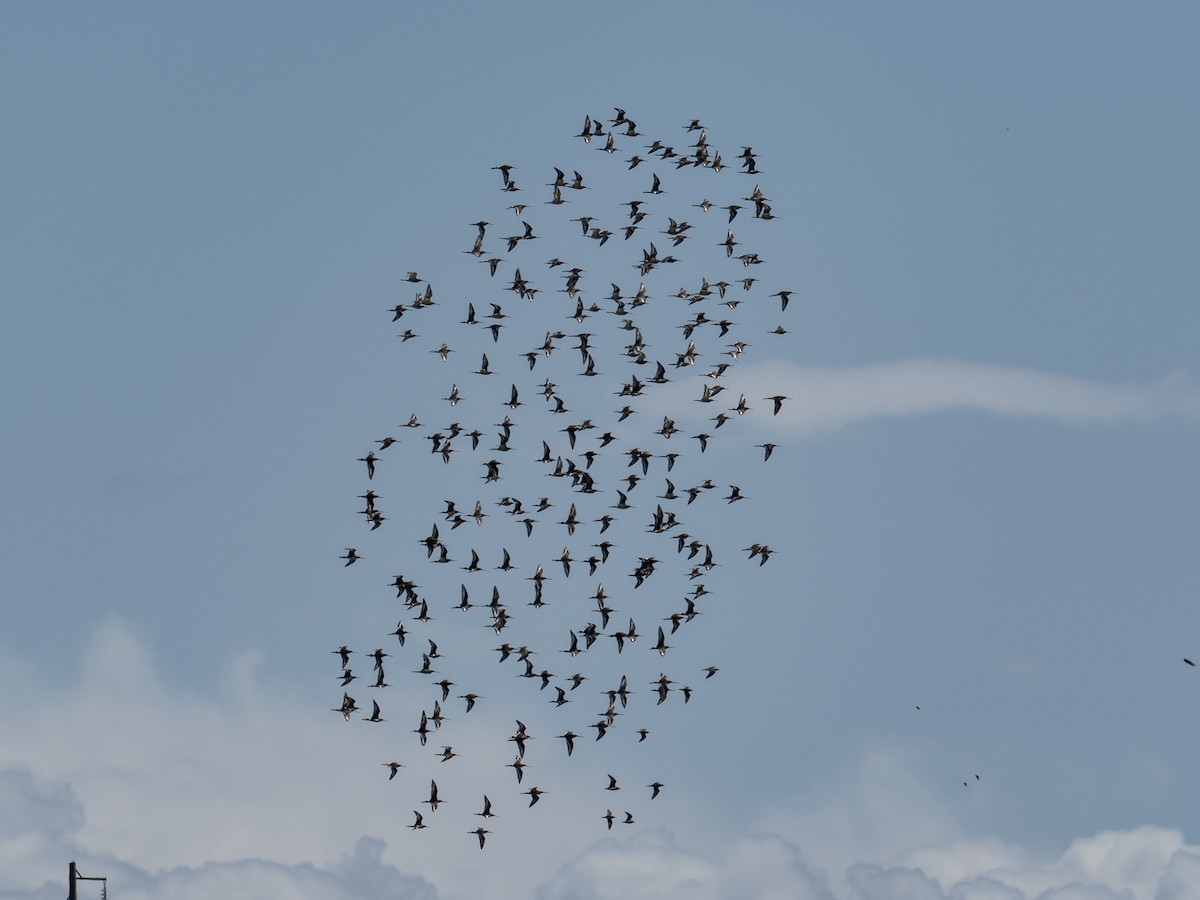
984, 500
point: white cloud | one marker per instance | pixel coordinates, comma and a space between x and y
871, 881
247, 797
821, 399
881, 834
123, 772
1134, 862
1182, 878
652, 865
877, 811
360, 873
1139, 864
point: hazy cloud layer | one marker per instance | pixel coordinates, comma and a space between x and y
652, 865
243, 797
822, 399
1143, 864
360, 873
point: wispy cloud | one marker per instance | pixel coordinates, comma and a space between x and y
822, 399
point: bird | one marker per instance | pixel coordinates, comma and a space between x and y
481, 832
535, 794
422, 731
569, 737
662, 646
433, 800
348, 706
519, 765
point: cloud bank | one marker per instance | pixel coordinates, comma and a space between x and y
1146, 863
244, 797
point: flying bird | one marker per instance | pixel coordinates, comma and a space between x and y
433, 800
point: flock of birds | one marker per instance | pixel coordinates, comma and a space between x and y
573, 380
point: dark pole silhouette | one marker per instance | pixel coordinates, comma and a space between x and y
73, 876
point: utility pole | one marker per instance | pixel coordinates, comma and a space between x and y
73, 876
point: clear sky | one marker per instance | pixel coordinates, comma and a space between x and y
984, 501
